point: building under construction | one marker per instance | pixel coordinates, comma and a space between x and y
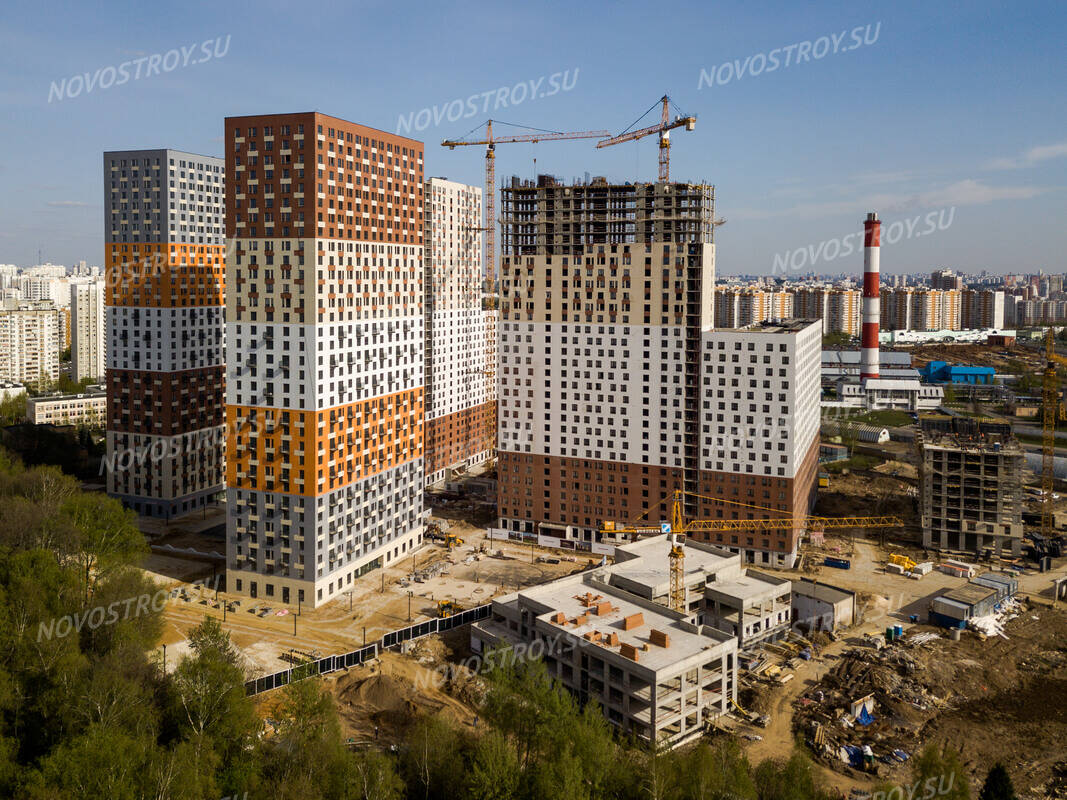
972, 485
660, 670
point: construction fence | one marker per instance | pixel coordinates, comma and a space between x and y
328, 664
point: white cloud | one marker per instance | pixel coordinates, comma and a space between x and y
1032, 157
968, 192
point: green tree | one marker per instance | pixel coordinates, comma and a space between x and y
494, 772
108, 536
998, 784
374, 777
794, 779
429, 760
209, 707
943, 770
717, 771
13, 410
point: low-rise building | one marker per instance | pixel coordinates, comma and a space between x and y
68, 409
820, 607
610, 634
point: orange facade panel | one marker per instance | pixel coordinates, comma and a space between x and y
311, 453
165, 275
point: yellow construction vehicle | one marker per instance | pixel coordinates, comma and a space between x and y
451, 540
446, 608
902, 561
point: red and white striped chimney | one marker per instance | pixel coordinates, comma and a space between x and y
872, 231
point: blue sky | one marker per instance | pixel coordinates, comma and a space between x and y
934, 106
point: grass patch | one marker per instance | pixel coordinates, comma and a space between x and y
858, 461
887, 418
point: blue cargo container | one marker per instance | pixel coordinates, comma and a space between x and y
840, 563
946, 622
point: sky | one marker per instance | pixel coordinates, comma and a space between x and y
948, 119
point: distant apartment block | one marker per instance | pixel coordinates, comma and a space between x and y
738, 307
165, 251
31, 340
911, 309
946, 279
460, 337
87, 323
982, 309
89, 409
325, 354
839, 309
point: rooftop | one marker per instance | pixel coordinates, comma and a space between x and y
610, 618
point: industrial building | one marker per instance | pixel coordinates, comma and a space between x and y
977, 598
899, 388
943, 372
610, 635
819, 606
325, 354
971, 493
615, 389
460, 334
165, 251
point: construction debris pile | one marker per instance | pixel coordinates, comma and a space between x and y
879, 705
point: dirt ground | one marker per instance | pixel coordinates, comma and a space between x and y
975, 355
379, 601
997, 699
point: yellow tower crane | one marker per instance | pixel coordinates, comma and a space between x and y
664, 129
1053, 410
491, 141
679, 525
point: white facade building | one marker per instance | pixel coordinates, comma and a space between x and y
460, 341
31, 339
87, 329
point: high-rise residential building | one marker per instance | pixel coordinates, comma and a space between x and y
839, 309
759, 432
982, 308
921, 309
613, 388
165, 267
87, 330
460, 355
325, 361
971, 485
946, 279
31, 340
600, 344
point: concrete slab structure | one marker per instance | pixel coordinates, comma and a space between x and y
971, 485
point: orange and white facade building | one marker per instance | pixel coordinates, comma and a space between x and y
165, 254
325, 361
460, 334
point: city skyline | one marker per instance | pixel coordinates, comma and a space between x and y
795, 152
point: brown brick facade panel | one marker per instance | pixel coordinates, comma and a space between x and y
793, 496
454, 438
165, 403
574, 491
291, 163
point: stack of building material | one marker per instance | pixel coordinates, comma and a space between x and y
960, 569
894, 569
923, 567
